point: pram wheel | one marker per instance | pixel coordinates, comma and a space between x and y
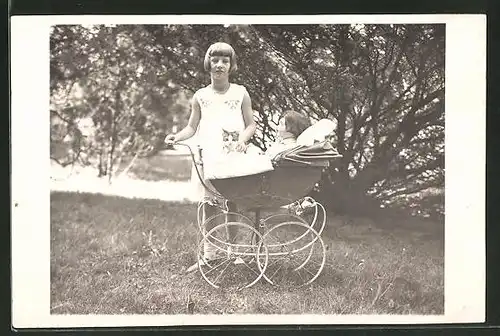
297, 254
218, 217
234, 263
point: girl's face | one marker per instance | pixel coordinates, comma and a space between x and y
219, 66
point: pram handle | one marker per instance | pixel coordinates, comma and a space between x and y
171, 146
167, 145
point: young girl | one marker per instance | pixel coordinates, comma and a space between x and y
220, 112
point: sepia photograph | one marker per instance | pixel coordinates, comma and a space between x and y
349, 219
248, 169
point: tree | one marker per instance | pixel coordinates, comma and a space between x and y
121, 90
382, 84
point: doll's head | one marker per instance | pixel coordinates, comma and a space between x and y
293, 123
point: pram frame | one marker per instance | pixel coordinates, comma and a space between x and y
261, 227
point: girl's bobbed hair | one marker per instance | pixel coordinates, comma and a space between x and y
220, 49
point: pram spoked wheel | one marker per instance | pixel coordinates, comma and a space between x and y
235, 263
221, 217
297, 254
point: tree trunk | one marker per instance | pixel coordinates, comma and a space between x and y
110, 161
102, 167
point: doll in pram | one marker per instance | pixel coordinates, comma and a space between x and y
278, 225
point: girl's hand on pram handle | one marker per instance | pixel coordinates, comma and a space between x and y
169, 141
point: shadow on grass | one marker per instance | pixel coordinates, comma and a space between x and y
112, 255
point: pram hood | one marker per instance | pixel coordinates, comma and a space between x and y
318, 154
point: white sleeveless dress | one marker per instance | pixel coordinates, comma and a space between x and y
220, 124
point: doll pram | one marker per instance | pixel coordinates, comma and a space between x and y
285, 246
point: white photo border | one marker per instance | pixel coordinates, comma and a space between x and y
465, 261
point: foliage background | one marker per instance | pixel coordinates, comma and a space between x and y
117, 90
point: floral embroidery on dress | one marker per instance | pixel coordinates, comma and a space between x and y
204, 102
232, 104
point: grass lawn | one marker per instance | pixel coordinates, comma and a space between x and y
112, 255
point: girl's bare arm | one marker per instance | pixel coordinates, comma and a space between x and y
250, 125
